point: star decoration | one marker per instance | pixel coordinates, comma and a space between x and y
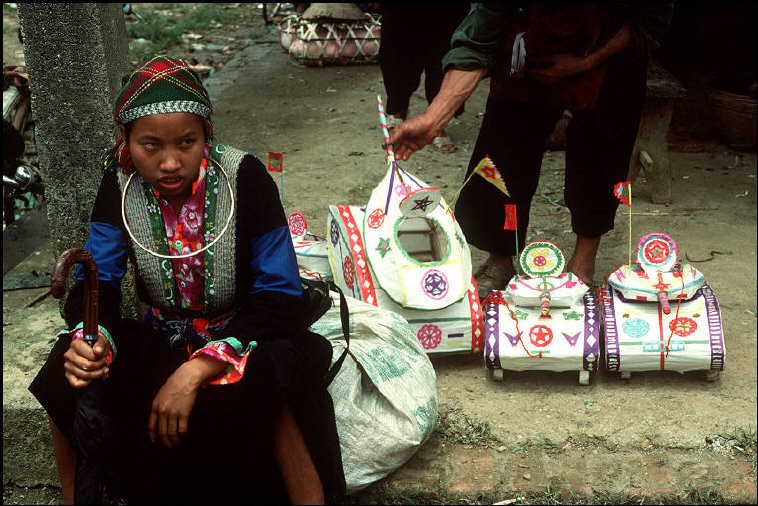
422, 204
520, 315
383, 247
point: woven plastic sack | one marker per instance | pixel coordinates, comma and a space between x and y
339, 43
385, 394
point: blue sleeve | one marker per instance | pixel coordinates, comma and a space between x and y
268, 279
108, 247
274, 264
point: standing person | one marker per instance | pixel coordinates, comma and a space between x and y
218, 395
590, 59
415, 37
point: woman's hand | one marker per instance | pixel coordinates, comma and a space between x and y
554, 68
84, 363
171, 408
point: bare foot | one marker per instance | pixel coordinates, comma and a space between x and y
582, 262
584, 272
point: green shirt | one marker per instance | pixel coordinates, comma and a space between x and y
479, 40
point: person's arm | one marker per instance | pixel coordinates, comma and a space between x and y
553, 68
415, 133
269, 306
108, 245
476, 49
171, 407
643, 26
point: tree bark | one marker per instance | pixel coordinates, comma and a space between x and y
75, 54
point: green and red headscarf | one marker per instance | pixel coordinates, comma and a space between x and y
162, 85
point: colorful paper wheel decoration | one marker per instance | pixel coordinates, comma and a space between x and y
435, 284
420, 202
656, 252
297, 224
683, 326
376, 218
540, 335
541, 258
430, 336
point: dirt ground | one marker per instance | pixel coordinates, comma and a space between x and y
324, 121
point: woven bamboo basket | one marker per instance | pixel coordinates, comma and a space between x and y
735, 116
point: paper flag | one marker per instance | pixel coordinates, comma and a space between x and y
275, 162
489, 172
510, 217
622, 191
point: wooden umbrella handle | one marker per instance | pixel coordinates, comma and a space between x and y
58, 286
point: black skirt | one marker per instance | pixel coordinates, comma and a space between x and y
227, 456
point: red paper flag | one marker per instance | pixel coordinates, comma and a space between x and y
622, 192
510, 217
275, 162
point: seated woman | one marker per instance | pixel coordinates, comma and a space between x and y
219, 394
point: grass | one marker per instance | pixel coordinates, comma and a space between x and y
454, 426
415, 494
166, 23
744, 442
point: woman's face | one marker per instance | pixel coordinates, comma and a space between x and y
167, 150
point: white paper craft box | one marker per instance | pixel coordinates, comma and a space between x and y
310, 250
661, 315
542, 323
415, 263
455, 328
637, 334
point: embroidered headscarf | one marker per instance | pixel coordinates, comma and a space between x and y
162, 85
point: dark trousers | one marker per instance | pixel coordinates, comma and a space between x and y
415, 37
599, 144
227, 456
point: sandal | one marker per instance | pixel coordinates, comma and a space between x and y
492, 277
393, 121
444, 144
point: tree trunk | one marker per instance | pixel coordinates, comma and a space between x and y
75, 54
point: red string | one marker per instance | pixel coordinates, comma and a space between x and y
496, 297
676, 315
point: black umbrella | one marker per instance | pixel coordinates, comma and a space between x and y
92, 425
